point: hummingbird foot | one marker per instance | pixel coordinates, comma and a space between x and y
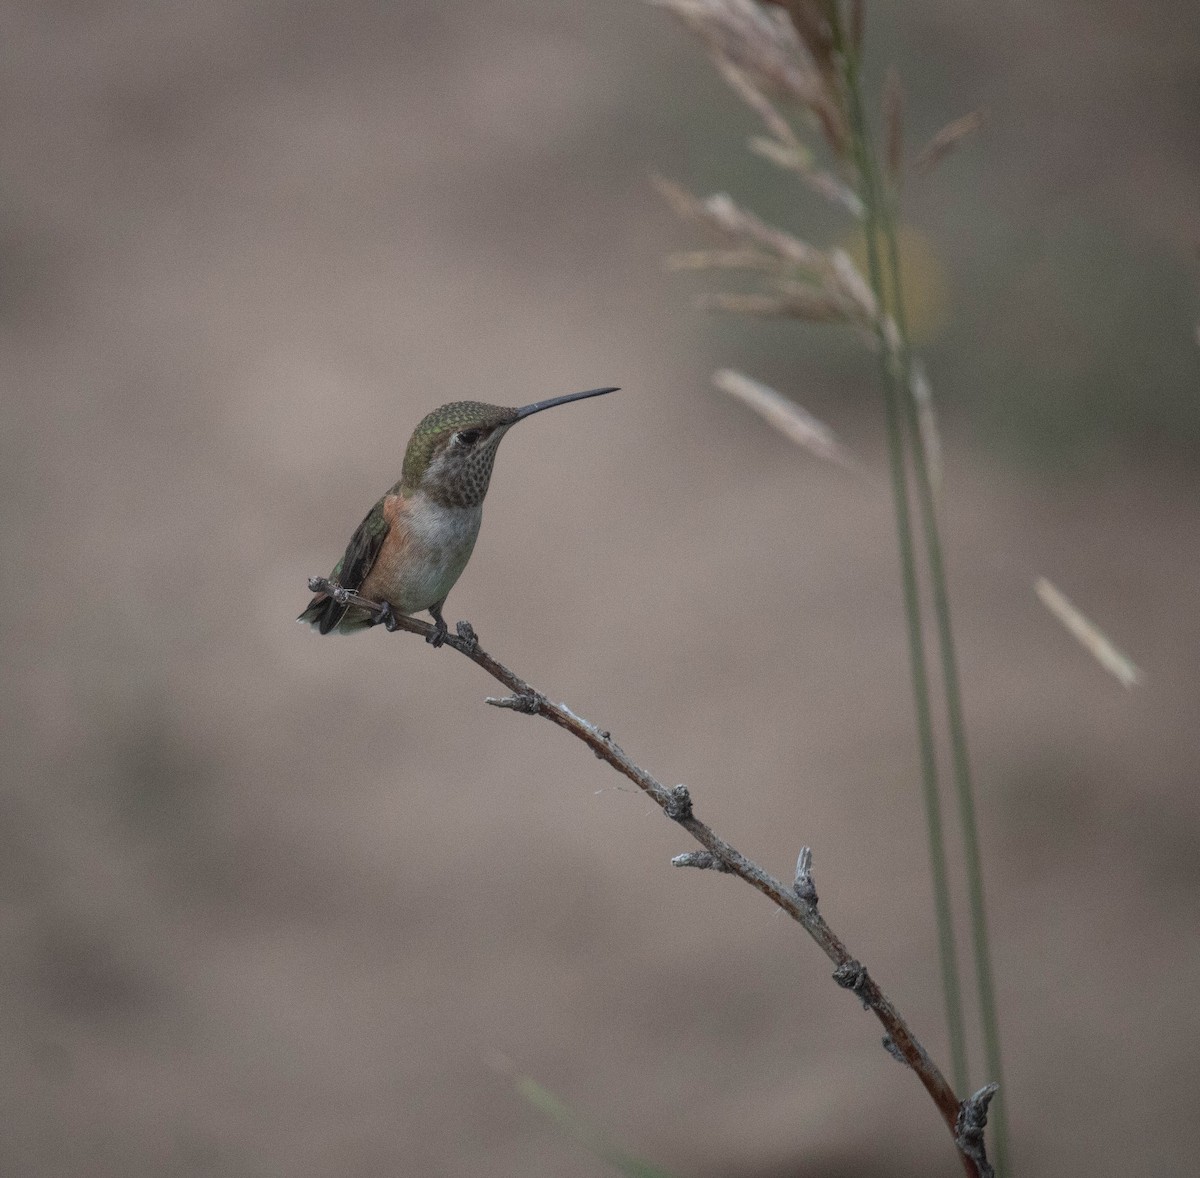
386, 618
440, 629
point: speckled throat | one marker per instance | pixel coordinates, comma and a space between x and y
461, 479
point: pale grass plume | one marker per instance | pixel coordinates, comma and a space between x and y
760, 43
741, 84
760, 51
721, 213
812, 26
807, 303
798, 158
792, 157
763, 306
738, 259
828, 304
853, 285
948, 139
786, 416
1088, 634
834, 292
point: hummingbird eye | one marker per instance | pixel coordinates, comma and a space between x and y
467, 437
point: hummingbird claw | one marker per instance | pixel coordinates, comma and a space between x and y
440, 629
387, 618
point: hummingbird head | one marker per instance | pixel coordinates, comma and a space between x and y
451, 452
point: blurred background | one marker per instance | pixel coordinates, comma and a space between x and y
283, 905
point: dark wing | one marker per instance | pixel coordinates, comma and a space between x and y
323, 611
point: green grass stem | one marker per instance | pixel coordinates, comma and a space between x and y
895, 394
883, 206
956, 723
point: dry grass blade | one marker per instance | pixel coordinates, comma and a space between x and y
753, 44
797, 158
813, 28
815, 304
764, 306
806, 303
726, 214
740, 83
791, 421
1088, 634
947, 140
833, 128
721, 213
853, 285
756, 42
792, 157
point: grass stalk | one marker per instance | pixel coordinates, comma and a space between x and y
956, 723
882, 215
895, 395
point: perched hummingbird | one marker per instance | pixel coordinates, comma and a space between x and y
415, 542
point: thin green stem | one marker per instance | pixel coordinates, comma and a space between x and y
894, 394
964, 788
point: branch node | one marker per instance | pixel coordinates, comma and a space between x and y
529, 703
326, 585
889, 1045
805, 889
852, 975
678, 806
704, 860
466, 632
969, 1127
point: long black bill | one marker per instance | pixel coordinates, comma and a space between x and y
538, 406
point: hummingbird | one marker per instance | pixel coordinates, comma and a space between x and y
415, 542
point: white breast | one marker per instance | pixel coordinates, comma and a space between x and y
441, 541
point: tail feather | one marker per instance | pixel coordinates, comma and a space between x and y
323, 613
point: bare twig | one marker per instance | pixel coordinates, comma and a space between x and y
798, 901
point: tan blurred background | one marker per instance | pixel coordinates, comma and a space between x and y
277, 905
